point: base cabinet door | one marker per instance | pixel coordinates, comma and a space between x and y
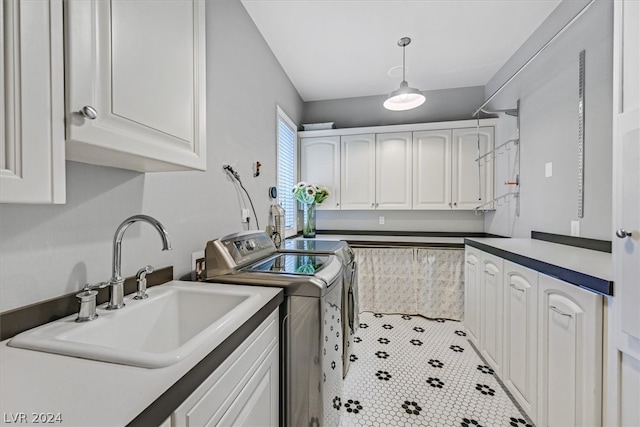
243, 390
492, 311
570, 355
520, 335
472, 295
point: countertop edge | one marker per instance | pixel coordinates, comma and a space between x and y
588, 282
170, 400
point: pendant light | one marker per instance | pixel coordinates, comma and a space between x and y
405, 97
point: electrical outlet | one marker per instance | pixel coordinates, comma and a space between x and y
575, 228
195, 257
381, 220
548, 170
245, 215
197, 263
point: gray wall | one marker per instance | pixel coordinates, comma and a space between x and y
441, 105
46, 251
548, 93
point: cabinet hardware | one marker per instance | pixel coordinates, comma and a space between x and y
622, 233
560, 312
89, 112
489, 273
517, 288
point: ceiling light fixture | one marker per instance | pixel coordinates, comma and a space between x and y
405, 97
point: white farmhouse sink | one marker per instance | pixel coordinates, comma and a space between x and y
159, 331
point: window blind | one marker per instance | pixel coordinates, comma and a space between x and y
287, 170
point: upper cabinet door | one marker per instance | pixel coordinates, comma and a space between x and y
320, 165
472, 187
394, 176
358, 171
32, 166
432, 169
140, 67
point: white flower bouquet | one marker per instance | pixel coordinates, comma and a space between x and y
310, 194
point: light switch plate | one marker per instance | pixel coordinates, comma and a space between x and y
575, 228
548, 170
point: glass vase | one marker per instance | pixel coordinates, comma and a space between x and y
309, 221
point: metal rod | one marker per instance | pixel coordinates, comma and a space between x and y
562, 30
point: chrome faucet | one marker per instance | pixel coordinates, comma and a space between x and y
116, 283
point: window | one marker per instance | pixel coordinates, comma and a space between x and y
287, 170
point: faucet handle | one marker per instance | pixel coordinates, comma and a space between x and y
87, 302
141, 279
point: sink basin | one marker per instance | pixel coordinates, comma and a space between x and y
159, 331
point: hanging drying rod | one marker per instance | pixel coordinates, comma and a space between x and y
535, 55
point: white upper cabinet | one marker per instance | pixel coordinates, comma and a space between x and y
432, 169
472, 184
320, 165
393, 170
403, 167
32, 163
139, 69
358, 172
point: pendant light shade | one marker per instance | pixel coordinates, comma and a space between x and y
405, 97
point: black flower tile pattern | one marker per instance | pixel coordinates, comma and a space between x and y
485, 389
517, 422
411, 408
387, 326
353, 358
435, 363
441, 382
383, 375
337, 403
485, 369
353, 406
435, 382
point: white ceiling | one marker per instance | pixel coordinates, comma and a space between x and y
334, 49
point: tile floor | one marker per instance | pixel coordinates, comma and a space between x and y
411, 371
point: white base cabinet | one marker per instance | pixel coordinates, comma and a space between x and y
472, 295
491, 321
570, 351
244, 390
520, 335
542, 336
